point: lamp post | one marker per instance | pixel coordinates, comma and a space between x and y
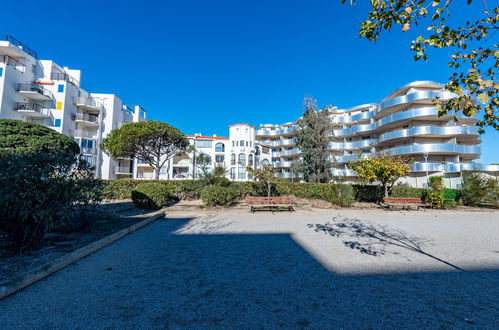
425, 155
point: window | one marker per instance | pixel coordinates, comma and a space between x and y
242, 159
60, 88
247, 143
367, 151
1, 72
233, 143
250, 160
163, 170
219, 147
57, 123
232, 173
251, 143
241, 173
265, 162
203, 144
219, 158
58, 105
233, 159
241, 143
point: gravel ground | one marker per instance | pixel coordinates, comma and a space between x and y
309, 269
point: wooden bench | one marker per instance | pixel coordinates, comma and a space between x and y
405, 202
270, 203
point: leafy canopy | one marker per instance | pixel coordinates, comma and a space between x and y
381, 167
266, 174
312, 138
475, 52
152, 141
22, 137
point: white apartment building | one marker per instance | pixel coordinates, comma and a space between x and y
235, 153
44, 92
404, 123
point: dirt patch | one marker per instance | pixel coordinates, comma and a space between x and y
116, 215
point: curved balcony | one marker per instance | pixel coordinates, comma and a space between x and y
284, 130
430, 167
344, 118
282, 164
353, 145
346, 158
355, 130
290, 152
428, 130
439, 148
343, 172
413, 98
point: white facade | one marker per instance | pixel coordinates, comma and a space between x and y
404, 123
42, 91
234, 153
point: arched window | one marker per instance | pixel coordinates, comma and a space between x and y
232, 173
241, 143
265, 162
220, 147
242, 159
250, 160
233, 159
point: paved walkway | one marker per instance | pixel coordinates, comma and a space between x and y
231, 270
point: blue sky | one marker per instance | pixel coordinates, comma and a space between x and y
202, 65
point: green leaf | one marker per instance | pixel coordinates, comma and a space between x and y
484, 98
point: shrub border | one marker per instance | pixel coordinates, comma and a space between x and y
22, 281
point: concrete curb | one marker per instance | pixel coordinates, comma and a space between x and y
20, 282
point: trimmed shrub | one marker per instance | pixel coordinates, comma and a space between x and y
409, 192
368, 193
151, 195
341, 195
215, 195
436, 182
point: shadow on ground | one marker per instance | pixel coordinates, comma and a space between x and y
164, 277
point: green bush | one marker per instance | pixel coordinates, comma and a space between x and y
434, 199
341, 195
475, 188
368, 193
436, 182
408, 192
216, 195
151, 195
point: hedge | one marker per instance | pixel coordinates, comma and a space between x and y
182, 189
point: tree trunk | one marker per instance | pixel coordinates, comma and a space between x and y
269, 186
385, 186
156, 173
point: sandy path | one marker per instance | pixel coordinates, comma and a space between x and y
232, 269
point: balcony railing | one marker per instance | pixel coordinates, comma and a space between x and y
84, 133
24, 106
19, 44
10, 61
64, 77
35, 88
86, 102
122, 170
87, 118
145, 175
